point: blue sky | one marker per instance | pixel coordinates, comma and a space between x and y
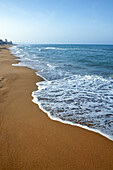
57, 21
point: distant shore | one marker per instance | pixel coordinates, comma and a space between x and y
5, 42
30, 140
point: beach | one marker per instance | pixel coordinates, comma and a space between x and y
30, 140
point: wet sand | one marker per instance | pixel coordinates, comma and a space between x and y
29, 140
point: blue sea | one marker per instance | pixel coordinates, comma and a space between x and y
78, 83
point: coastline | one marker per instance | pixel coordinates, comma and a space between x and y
30, 140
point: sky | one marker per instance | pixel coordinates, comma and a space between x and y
57, 21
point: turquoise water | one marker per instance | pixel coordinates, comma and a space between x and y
78, 86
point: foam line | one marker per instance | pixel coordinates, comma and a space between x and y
68, 122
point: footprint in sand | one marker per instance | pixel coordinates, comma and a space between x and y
1, 80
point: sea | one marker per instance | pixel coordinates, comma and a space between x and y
78, 83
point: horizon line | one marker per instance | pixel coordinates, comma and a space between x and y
65, 43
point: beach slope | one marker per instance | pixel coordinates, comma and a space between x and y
29, 140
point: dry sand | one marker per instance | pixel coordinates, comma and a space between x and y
30, 140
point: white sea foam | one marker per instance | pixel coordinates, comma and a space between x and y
85, 101
50, 66
50, 48
54, 48
28, 59
17, 52
68, 122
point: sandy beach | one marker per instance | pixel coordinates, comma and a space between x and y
29, 140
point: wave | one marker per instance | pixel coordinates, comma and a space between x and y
85, 101
69, 122
55, 48
50, 48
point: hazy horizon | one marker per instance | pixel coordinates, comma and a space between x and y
57, 22
23, 43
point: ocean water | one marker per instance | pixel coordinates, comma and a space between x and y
78, 85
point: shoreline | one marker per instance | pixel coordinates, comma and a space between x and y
48, 113
69, 122
29, 140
